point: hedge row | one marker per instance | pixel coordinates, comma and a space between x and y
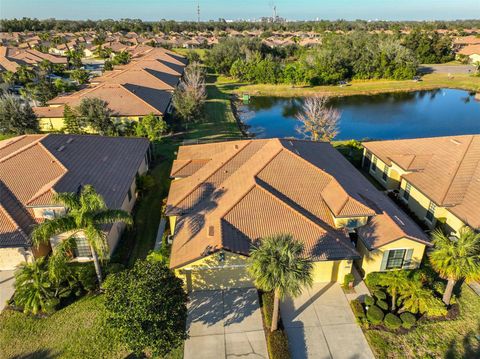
277, 342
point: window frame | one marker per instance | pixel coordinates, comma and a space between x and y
385, 174
84, 248
406, 192
402, 259
373, 164
432, 207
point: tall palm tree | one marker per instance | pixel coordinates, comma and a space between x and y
278, 265
456, 258
86, 212
394, 281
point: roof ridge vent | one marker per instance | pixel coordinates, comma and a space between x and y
397, 219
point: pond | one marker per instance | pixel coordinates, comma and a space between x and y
439, 112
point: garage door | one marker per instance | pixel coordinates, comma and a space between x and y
216, 278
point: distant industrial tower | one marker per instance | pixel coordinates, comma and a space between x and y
198, 11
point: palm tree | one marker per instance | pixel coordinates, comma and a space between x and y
278, 265
33, 288
394, 281
86, 213
456, 258
418, 299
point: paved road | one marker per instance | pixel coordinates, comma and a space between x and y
321, 325
446, 69
6, 287
225, 324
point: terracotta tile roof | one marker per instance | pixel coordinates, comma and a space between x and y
34, 167
12, 57
470, 50
123, 100
232, 193
140, 77
447, 170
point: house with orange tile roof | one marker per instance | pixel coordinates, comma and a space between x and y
12, 57
142, 87
35, 167
472, 51
437, 178
226, 196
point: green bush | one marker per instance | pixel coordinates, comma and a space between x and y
267, 301
277, 344
372, 279
382, 304
439, 287
349, 278
358, 310
408, 320
380, 295
369, 300
113, 268
391, 321
86, 276
375, 314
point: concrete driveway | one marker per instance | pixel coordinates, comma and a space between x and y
225, 324
320, 324
6, 286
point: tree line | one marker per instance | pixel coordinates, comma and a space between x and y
139, 26
340, 57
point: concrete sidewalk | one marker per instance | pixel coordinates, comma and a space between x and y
320, 324
225, 324
7, 280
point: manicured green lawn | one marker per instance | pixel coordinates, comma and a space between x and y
368, 87
447, 339
73, 332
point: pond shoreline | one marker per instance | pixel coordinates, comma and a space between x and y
394, 115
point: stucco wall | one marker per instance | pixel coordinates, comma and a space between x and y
372, 260
10, 258
331, 271
419, 204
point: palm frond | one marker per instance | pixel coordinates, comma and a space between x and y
97, 240
113, 215
68, 200
50, 228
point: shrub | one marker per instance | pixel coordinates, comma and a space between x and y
358, 310
439, 287
267, 301
453, 312
349, 278
372, 279
375, 314
147, 308
382, 304
369, 300
113, 268
380, 295
277, 344
408, 320
391, 321
86, 276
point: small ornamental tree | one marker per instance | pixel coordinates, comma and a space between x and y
71, 121
16, 116
147, 308
151, 127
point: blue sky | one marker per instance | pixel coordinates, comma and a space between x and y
247, 9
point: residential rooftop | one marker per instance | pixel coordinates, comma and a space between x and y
445, 169
35, 167
227, 195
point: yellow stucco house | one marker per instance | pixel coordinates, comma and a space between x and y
144, 86
226, 196
438, 178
